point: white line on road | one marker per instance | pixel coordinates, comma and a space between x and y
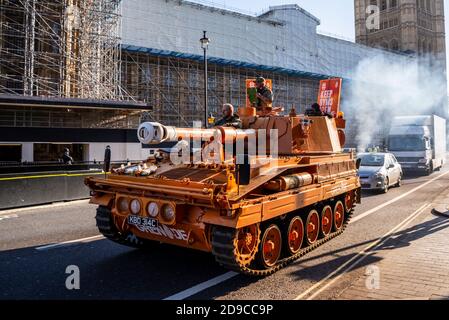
202, 286
69, 243
187, 293
9, 216
348, 265
369, 212
45, 206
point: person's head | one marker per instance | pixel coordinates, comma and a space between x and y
316, 107
66, 150
227, 110
260, 82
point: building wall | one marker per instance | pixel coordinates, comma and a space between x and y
285, 36
415, 26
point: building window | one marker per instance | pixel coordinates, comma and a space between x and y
52, 152
394, 3
384, 5
10, 153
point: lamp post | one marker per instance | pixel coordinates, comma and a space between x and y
205, 45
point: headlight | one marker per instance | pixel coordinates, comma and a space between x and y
135, 206
379, 175
153, 209
168, 213
123, 205
424, 161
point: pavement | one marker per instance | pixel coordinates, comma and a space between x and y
391, 239
414, 264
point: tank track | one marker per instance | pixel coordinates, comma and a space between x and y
107, 228
223, 250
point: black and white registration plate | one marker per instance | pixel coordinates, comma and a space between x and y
143, 222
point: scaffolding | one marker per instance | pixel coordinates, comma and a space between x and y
174, 87
63, 48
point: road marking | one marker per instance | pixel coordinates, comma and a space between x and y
369, 212
347, 266
69, 243
53, 176
6, 217
202, 286
45, 206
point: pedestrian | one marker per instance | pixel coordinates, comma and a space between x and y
66, 158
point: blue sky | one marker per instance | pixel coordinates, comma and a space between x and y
336, 17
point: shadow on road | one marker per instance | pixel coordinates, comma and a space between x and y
107, 271
398, 240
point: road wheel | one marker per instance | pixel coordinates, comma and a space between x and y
246, 244
386, 185
294, 236
349, 201
326, 221
312, 227
339, 216
270, 247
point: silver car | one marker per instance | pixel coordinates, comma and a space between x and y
379, 171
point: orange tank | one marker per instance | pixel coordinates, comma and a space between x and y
257, 198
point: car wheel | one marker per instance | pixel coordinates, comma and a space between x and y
386, 185
399, 181
429, 170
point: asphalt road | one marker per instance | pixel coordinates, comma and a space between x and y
33, 261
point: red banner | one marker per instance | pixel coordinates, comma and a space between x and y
329, 96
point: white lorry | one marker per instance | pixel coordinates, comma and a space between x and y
418, 142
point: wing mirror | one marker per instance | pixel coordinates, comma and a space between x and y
358, 163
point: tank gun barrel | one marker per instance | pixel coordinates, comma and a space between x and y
156, 133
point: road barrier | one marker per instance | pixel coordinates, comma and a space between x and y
27, 189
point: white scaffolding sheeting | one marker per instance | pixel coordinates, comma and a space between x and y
284, 36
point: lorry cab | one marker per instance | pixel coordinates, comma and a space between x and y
418, 142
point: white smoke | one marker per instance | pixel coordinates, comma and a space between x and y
381, 89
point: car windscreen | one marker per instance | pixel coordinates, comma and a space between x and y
410, 143
372, 160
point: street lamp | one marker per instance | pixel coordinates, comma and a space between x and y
205, 45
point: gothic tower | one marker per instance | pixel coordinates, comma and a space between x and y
411, 26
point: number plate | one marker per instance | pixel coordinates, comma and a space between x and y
143, 222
